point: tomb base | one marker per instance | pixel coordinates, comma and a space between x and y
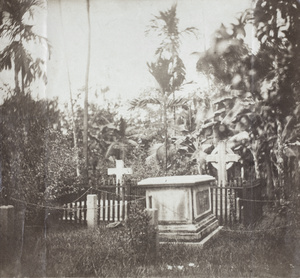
188, 232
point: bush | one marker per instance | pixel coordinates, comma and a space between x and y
140, 235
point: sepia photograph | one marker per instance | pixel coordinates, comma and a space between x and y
150, 138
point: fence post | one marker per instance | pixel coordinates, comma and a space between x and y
153, 214
6, 232
128, 190
226, 206
91, 206
123, 187
238, 212
211, 200
129, 197
221, 205
6, 222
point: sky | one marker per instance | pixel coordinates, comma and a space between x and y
120, 49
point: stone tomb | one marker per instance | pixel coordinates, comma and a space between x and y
184, 206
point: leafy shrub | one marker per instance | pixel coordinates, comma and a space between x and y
140, 235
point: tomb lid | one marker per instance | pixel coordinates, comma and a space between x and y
176, 180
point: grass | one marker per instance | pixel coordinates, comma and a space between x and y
78, 252
65, 250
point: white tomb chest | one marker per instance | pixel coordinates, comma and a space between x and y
184, 205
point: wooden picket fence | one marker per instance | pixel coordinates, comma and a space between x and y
237, 202
112, 205
75, 211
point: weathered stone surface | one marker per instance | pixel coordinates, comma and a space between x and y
183, 204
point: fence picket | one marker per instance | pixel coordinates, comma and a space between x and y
231, 206
109, 205
103, 205
113, 207
221, 205
98, 209
71, 212
216, 200
75, 213
226, 206
123, 202
80, 212
228, 210
118, 207
84, 210
211, 199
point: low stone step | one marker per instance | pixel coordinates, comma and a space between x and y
201, 243
188, 232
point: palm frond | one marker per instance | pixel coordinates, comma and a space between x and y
159, 70
143, 102
176, 102
154, 148
190, 30
115, 146
132, 142
110, 149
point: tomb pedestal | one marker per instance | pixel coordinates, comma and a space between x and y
184, 206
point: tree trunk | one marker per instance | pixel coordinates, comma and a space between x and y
23, 81
123, 149
254, 151
269, 174
297, 172
280, 161
166, 132
174, 114
71, 101
17, 88
85, 119
74, 135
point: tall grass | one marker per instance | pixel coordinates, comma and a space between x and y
127, 252
80, 252
103, 252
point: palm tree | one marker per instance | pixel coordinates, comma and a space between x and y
168, 69
124, 139
162, 99
165, 25
18, 34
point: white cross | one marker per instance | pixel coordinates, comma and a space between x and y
222, 158
119, 171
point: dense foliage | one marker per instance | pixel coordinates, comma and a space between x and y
37, 162
18, 36
252, 103
24, 127
258, 89
169, 71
